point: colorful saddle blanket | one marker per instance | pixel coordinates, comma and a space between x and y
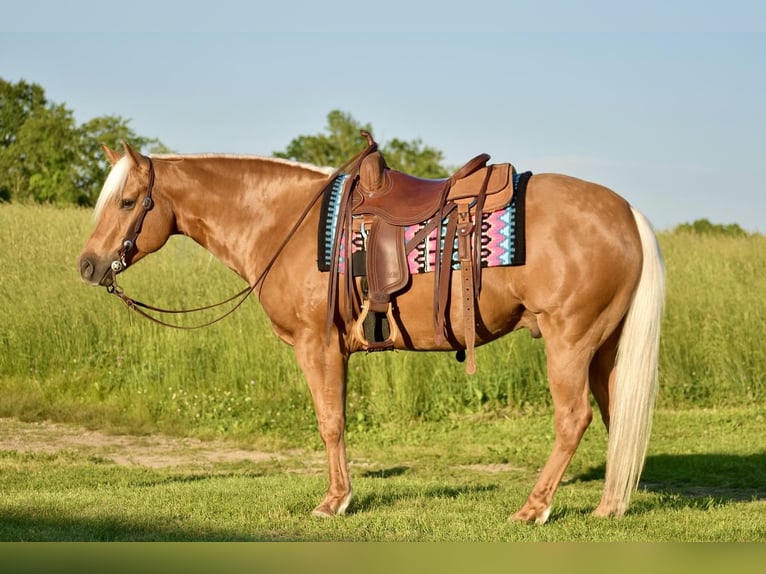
502, 237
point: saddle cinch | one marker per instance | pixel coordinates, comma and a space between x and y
380, 203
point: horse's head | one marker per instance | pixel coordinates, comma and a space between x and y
132, 219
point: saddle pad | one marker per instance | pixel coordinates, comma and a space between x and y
502, 241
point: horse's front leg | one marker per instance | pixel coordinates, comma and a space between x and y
325, 370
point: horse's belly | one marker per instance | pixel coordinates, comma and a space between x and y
498, 311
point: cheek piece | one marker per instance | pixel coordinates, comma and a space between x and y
128, 248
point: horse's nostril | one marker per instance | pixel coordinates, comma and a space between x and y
86, 268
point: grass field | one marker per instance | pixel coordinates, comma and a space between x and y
424, 482
73, 354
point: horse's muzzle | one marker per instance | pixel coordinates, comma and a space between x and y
95, 270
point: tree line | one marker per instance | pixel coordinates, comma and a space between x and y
707, 227
45, 157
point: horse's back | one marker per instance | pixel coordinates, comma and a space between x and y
575, 226
583, 254
574, 205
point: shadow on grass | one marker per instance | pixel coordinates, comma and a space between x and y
386, 472
375, 500
700, 480
19, 526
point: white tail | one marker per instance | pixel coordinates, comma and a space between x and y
635, 387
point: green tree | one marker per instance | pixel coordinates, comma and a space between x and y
342, 141
414, 158
17, 102
46, 157
706, 227
92, 166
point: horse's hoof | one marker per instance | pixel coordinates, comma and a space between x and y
530, 515
331, 506
607, 511
323, 511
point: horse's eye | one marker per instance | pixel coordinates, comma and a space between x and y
127, 203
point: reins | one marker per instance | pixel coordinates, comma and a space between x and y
128, 249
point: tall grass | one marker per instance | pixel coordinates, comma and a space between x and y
713, 351
71, 352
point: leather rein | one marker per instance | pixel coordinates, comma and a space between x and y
128, 250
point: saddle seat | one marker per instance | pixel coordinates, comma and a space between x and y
402, 199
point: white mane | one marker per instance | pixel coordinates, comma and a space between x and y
113, 186
325, 170
115, 181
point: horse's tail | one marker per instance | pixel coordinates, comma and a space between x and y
635, 387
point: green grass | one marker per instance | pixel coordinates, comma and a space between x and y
419, 483
73, 353
713, 349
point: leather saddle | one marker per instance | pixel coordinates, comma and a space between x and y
402, 199
382, 202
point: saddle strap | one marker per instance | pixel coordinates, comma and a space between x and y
477, 236
465, 229
469, 254
442, 279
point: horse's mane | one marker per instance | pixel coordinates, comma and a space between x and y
118, 176
113, 186
288, 162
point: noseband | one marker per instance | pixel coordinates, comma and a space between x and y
128, 248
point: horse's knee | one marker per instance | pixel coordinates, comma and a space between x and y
332, 430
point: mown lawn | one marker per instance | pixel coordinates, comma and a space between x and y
703, 481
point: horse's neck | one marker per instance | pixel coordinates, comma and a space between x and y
239, 209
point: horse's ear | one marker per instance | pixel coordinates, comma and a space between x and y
112, 155
135, 157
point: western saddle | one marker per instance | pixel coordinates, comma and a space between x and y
380, 203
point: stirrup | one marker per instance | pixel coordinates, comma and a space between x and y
393, 330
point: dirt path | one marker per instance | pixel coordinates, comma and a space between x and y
154, 451
162, 451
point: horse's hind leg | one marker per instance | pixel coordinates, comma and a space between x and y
568, 359
325, 370
602, 374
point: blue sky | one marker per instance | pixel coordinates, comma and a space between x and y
661, 101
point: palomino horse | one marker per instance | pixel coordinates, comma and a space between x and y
593, 286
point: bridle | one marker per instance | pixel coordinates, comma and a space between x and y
128, 250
